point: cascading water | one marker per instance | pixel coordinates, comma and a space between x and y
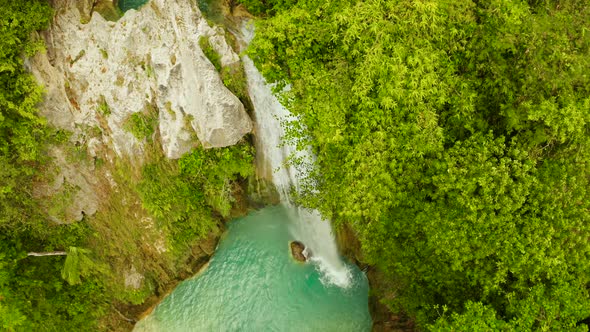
308, 225
252, 283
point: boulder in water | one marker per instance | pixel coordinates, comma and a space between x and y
297, 251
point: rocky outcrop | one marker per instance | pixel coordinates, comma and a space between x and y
99, 73
71, 194
298, 251
133, 279
84, 8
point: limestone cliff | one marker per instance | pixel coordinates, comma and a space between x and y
101, 72
98, 74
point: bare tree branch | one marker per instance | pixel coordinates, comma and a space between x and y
125, 317
52, 253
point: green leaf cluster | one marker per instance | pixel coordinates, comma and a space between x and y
77, 263
219, 171
210, 52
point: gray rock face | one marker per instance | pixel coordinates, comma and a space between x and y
133, 279
98, 74
72, 193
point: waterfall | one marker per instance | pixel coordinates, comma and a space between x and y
273, 153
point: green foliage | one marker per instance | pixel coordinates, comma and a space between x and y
22, 131
33, 296
183, 195
213, 10
218, 170
77, 264
108, 10
267, 7
142, 124
453, 137
210, 53
554, 309
177, 204
10, 318
72, 293
104, 53
59, 202
149, 71
477, 317
234, 78
125, 5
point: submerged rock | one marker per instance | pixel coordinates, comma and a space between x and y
298, 251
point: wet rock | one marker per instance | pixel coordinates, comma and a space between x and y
298, 251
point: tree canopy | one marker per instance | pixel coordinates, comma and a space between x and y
453, 136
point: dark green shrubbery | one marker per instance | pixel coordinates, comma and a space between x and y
267, 7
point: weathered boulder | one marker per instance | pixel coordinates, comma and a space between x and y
98, 73
84, 7
298, 251
133, 279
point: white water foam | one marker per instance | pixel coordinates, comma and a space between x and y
308, 225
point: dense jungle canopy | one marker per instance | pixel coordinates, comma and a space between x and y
453, 137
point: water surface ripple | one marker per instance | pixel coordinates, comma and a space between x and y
253, 284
